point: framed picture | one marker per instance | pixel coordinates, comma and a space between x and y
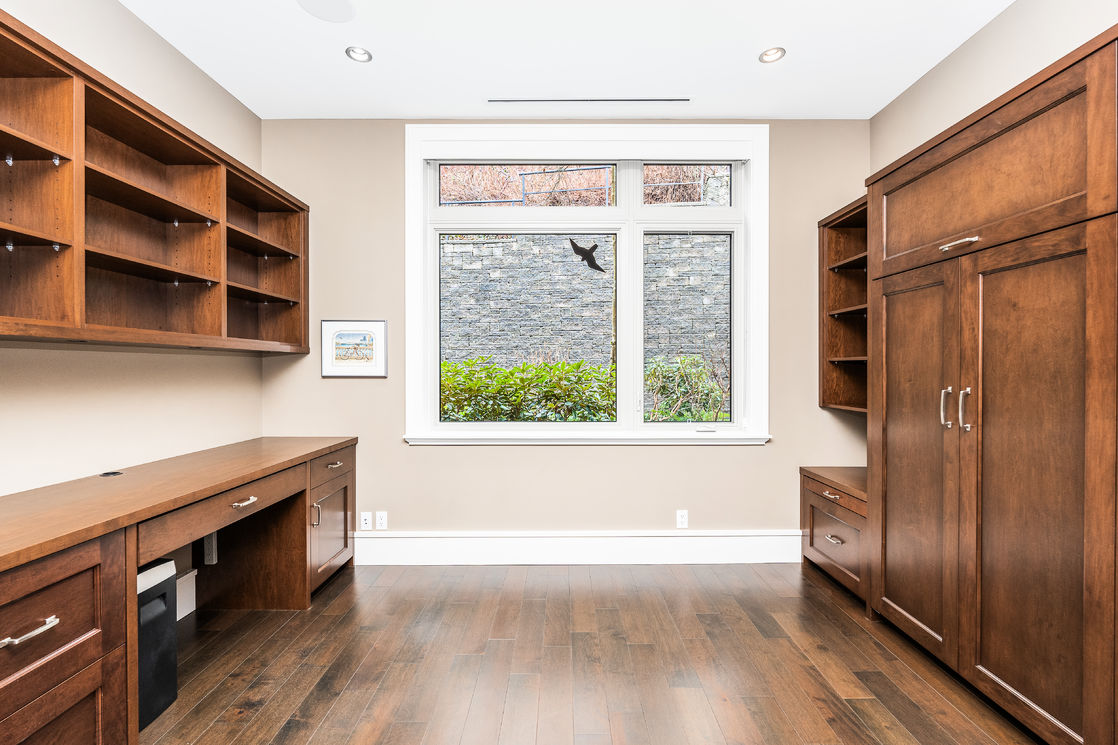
355, 349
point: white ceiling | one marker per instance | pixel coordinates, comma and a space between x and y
444, 58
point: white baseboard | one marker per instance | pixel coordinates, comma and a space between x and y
382, 547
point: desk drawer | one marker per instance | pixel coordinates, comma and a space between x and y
75, 600
332, 465
832, 538
838, 496
91, 708
167, 532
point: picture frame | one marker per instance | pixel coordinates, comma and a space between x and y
355, 349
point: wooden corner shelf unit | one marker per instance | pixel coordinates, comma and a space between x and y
119, 225
843, 309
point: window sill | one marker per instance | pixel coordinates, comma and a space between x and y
545, 438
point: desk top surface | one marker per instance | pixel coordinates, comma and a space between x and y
40, 521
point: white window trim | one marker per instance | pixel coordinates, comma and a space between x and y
712, 143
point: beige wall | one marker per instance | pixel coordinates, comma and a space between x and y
351, 172
1024, 39
68, 410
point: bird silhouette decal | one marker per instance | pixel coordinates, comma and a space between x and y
586, 254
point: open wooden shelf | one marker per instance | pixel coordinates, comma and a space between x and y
21, 236
124, 264
857, 261
22, 146
119, 190
850, 310
247, 292
843, 293
179, 244
249, 242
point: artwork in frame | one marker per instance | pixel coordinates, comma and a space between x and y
355, 349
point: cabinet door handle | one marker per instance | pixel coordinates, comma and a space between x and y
48, 624
834, 540
943, 407
828, 495
335, 464
963, 393
246, 503
960, 242
317, 515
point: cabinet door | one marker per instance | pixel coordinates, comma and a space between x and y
86, 709
331, 527
1037, 476
913, 508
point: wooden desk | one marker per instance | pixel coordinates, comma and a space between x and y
283, 511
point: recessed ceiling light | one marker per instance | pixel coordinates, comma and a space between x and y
333, 11
772, 55
359, 54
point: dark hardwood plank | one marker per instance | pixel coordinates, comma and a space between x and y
522, 699
386, 655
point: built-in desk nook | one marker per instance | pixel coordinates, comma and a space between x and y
276, 514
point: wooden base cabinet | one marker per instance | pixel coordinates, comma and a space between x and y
332, 502
993, 417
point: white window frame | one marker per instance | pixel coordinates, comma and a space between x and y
744, 145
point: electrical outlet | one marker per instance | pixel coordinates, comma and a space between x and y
382, 521
681, 518
366, 521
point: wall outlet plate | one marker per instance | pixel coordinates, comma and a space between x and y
681, 518
366, 521
382, 521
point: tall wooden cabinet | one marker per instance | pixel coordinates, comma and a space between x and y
993, 255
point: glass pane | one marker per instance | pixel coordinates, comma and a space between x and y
687, 184
526, 328
687, 327
528, 185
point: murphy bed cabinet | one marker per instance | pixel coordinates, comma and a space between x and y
992, 405
119, 225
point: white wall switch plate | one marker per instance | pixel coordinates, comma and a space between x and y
681, 518
382, 521
366, 521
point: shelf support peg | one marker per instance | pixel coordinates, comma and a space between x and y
56, 160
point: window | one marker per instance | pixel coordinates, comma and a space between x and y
585, 283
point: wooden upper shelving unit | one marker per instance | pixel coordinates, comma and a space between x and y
843, 337
122, 226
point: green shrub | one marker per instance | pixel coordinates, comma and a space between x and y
684, 389
475, 390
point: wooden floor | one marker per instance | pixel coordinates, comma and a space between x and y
579, 655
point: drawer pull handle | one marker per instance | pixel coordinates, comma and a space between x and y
960, 242
335, 464
943, 407
317, 516
963, 393
246, 503
828, 495
834, 540
48, 624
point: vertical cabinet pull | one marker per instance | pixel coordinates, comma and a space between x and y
317, 515
943, 407
963, 393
